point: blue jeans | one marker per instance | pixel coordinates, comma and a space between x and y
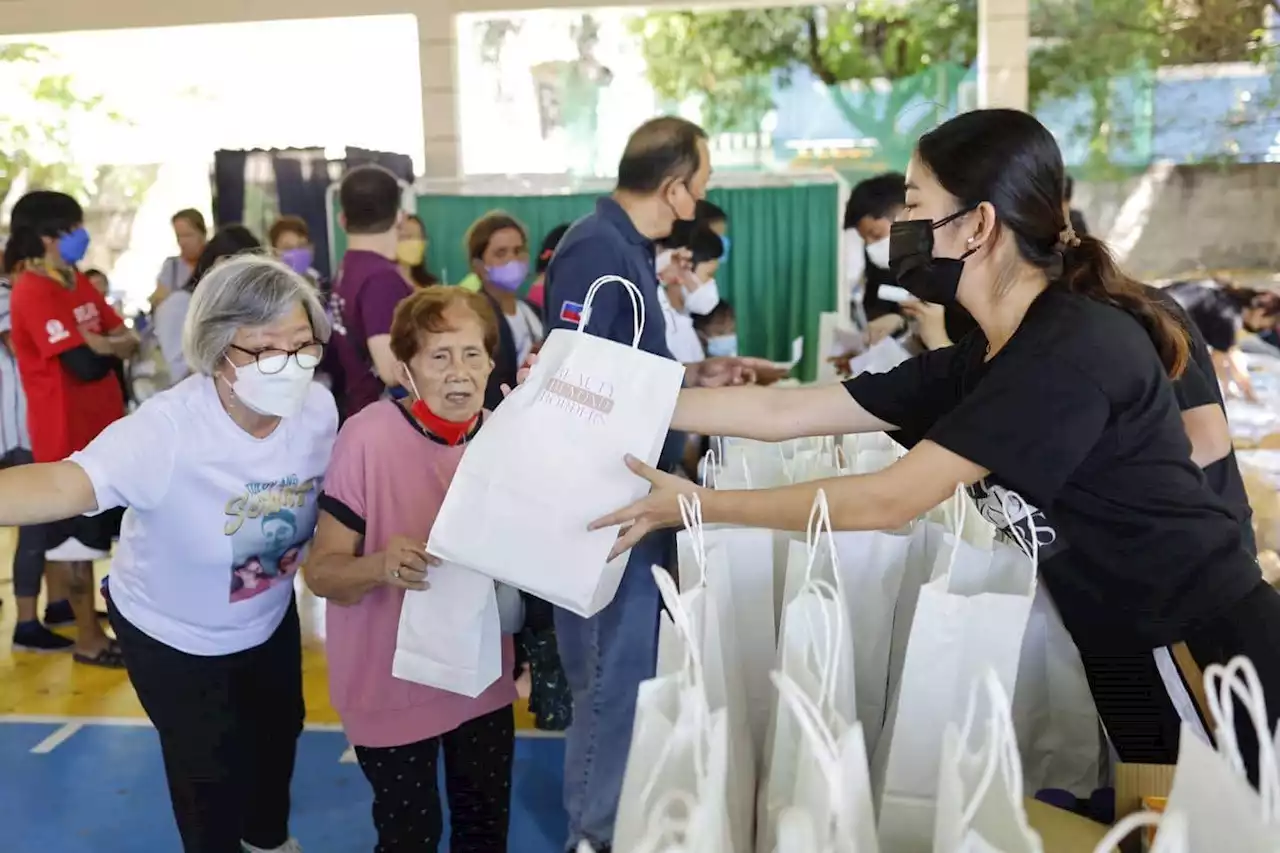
605, 658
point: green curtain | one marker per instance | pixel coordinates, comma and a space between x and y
782, 268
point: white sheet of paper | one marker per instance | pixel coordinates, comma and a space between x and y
797, 354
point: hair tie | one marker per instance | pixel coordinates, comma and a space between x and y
1067, 239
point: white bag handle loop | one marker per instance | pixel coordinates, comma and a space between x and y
668, 821
691, 675
819, 517
825, 748
1002, 743
959, 502
1171, 824
710, 468
691, 515
1239, 679
637, 304
788, 468
833, 636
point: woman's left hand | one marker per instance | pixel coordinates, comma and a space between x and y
659, 510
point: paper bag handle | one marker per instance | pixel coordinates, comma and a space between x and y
818, 733
691, 516
1003, 740
637, 305
709, 467
1239, 679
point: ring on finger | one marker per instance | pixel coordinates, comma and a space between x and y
395, 573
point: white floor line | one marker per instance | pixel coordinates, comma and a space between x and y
348, 756
143, 722
56, 739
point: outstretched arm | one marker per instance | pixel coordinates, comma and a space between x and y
886, 500
34, 494
773, 414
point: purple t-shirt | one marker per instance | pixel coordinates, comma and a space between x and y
365, 296
388, 478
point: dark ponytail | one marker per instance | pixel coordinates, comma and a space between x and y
1009, 159
24, 244
1089, 269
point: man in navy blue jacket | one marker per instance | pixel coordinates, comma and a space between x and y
662, 176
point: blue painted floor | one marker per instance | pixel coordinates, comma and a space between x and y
103, 791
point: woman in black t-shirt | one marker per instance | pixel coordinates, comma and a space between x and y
1059, 396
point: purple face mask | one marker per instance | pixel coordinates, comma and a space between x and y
509, 276
298, 260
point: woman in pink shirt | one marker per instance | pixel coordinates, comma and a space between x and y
391, 467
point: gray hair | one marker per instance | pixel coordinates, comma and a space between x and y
243, 292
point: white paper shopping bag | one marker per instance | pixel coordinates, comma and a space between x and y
679, 749
558, 442
450, 636
832, 788
1053, 710
970, 618
980, 790
1210, 787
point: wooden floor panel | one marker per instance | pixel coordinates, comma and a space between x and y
52, 684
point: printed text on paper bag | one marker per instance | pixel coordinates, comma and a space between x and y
589, 398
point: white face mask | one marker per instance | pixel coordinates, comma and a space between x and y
278, 395
878, 253
703, 300
663, 261
722, 346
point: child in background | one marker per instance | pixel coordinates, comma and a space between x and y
718, 331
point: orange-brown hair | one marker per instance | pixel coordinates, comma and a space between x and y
288, 225
424, 313
483, 229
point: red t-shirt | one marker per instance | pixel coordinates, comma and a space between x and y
64, 414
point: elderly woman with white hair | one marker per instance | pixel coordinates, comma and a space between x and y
220, 476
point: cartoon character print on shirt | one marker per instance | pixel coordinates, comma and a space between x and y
996, 504
269, 524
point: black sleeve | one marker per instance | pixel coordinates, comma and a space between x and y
914, 395
85, 364
344, 514
1193, 389
1218, 321
1031, 422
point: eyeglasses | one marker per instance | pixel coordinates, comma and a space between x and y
272, 361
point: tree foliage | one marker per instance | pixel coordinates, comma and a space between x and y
730, 58
36, 126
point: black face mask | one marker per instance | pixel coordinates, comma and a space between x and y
915, 268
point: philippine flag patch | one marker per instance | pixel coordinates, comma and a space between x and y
571, 312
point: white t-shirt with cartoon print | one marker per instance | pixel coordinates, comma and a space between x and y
217, 520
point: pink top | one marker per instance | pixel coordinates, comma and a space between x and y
388, 478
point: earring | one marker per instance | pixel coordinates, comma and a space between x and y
971, 239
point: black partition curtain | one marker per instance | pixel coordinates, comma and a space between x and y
254, 188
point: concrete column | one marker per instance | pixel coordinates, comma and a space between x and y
1003, 41
438, 62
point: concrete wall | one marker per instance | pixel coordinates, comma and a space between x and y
1190, 218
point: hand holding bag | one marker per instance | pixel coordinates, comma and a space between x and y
587, 403
450, 634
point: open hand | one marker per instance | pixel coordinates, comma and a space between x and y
931, 323
659, 510
405, 562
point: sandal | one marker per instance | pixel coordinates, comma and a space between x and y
110, 657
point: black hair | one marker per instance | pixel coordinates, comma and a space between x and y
696, 236
39, 214
876, 197
722, 311
1010, 160
549, 244
230, 240
91, 273
370, 199
710, 213
1068, 187
422, 276
659, 150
